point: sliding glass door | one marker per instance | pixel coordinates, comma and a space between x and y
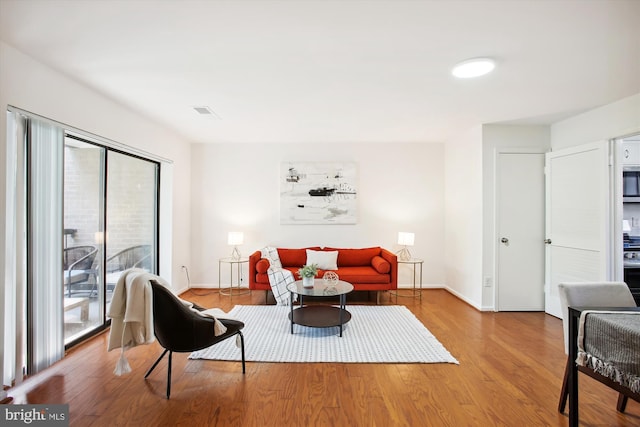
83, 240
110, 225
132, 206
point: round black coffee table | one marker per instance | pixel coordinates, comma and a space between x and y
320, 316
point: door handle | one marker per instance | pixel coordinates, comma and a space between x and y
504, 240
547, 241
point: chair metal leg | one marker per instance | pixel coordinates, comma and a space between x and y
156, 363
169, 376
168, 370
242, 349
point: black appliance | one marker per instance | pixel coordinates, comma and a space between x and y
631, 185
631, 264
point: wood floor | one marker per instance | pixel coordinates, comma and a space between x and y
510, 372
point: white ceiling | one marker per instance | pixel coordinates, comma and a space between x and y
336, 71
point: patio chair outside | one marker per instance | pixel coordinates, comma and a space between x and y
78, 267
133, 257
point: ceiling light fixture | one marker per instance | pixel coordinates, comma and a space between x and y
473, 68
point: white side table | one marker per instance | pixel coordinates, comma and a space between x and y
232, 290
415, 292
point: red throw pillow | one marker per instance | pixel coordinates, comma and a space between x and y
262, 266
355, 257
293, 257
381, 265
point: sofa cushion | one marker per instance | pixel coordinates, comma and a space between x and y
325, 260
362, 275
355, 257
380, 264
262, 266
294, 257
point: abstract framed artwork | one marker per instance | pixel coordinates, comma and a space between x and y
318, 193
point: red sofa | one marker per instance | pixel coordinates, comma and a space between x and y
367, 269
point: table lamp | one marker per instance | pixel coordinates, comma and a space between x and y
405, 239
234, 239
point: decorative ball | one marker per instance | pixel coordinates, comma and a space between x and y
330, 278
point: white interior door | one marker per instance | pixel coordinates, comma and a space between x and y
577, 218
520, 230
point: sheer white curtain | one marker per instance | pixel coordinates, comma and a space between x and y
33, 303
45, 174
13, 341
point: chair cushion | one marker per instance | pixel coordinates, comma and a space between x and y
77, 276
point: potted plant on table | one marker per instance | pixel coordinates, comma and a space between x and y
308, 273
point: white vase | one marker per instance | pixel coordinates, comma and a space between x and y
307, 282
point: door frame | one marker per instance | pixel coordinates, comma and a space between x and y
616, 208
496, 203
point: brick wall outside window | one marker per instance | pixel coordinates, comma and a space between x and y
131, 196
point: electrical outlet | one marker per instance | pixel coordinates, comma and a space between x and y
487, 282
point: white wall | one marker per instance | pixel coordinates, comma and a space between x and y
610, 121
32, 86
501, 137
236, 188
463, 212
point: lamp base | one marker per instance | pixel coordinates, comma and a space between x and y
404, 254
236, 253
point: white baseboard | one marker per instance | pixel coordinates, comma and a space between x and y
214, 286
407, 286
180, 291
424, 286
468, 301
400, 286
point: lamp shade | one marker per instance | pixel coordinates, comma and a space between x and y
405, 239
235, 238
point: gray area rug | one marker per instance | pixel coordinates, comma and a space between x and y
375, 334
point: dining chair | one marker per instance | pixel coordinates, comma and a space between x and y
590, 294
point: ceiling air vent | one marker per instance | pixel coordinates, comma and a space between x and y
206, 111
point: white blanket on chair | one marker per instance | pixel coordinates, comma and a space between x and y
279, 277
131, 309
131, 313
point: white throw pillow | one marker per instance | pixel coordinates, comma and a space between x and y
325, 260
